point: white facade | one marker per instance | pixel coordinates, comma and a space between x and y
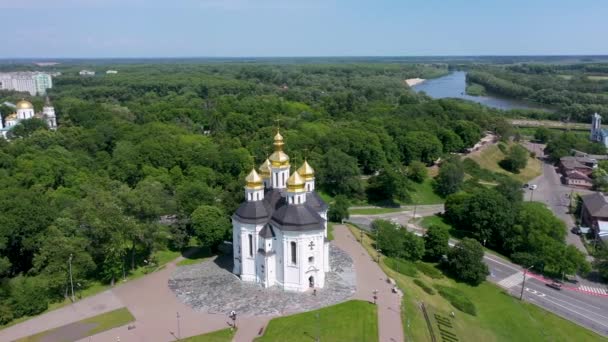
597, 133
280, 231
24, 111
86, 73
35, 83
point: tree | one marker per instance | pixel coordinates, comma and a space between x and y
451, 141
450, 177
389, 238
516, 159
421, 146
465, 262
339, 174
600, 179
436, 241
26, 127
511, 189
210, 225
412, 247
339, 209
390, 184
543, 135
469, 132
417, 171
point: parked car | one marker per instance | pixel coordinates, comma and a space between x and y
533, 186
555, 285
576, 230
526, 186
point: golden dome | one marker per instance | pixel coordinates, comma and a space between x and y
254, 181
278, 158
295, 183
265, 169
23, 104
307, 172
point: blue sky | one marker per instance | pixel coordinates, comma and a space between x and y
219, 28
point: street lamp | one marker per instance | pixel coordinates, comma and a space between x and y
179, 334
71, 280
523, 284
378, 250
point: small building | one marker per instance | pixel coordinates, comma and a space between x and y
109, 72
86, 73
595, 209
578, 179
24, 111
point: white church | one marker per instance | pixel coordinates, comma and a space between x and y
280, 231
25, 110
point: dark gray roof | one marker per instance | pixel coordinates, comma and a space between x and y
314, 200
264, 253
274, 208
297, 217
596, 205
254, 212
573, 163
267, 232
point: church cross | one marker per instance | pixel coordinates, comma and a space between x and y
311, 245
278, 121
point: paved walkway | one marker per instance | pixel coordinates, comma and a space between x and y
88, 307
156, 307
369, 278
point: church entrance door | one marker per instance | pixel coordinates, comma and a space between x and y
311, 281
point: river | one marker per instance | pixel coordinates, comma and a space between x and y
454, 85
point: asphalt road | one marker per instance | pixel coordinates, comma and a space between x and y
585, 309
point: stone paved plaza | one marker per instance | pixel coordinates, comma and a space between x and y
210, 286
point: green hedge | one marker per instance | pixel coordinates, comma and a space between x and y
429, 270
402, 266
424, 286
458, 299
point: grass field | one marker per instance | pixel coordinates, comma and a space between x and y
195, 255
224, 335
422, 193
84, 328
597, 77
354, 320
475, 89
491, 156
500, 317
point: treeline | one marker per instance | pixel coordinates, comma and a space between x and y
176, 141
570, 90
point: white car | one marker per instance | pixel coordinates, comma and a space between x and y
533, 186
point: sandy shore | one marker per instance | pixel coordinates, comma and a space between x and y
413, 81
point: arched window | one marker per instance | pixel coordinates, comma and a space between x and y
293, 253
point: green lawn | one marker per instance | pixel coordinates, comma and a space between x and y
354, 320
374, 211
195, 255
330, 231
434, 220
500, 317
96, 325
492, 155
422, 193
224, 335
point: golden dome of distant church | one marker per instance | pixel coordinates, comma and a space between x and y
295, 183
23, 104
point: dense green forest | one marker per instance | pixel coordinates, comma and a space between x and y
178, 139
574, 91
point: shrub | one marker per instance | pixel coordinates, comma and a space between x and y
458, 299
429, 270
404, 267
424, 286
502, 147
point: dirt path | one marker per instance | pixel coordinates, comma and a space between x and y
369, 278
